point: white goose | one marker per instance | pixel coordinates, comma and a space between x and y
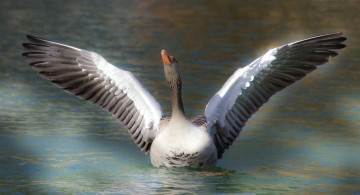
177, 141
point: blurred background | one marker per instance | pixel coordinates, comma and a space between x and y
304, 140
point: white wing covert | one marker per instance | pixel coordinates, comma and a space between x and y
89, 76
250, 87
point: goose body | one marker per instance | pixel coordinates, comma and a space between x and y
183, 144
177, 141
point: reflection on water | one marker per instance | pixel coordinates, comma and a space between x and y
305, 140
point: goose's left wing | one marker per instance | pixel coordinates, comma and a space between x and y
89, 76
250, 87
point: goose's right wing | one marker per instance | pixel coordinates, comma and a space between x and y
89, 76
250, 87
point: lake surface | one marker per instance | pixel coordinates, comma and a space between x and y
305, 140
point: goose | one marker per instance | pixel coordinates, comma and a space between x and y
177, 141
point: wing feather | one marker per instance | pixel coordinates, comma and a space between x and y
250, 87
89, 76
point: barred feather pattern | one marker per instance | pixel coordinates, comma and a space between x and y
250, 87
87, 75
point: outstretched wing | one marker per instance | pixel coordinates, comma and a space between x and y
89, 76
250, 87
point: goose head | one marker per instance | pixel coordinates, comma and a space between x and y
171, 66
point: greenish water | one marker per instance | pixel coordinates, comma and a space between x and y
305, 140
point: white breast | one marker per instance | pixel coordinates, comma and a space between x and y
183, 145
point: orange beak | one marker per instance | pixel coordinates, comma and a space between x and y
166, 57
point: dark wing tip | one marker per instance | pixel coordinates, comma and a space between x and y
26, 45
30, 46
342, 39
328, 36
339, 46
31, 38
26, 55
32, 55
334, 53
36, 39
324, 37
335, 34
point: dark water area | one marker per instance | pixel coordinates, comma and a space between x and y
305, 140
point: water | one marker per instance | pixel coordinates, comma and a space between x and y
304, 140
